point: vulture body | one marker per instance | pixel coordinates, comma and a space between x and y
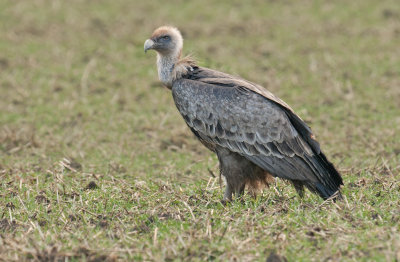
254, 133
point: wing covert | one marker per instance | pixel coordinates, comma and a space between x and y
236, 118
223, 111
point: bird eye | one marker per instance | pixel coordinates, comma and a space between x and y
166, 38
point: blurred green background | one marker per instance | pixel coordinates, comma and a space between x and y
80, 102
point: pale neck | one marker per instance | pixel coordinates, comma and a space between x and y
165, 66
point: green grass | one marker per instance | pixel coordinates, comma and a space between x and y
97, 164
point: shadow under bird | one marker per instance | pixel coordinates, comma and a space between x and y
255, 135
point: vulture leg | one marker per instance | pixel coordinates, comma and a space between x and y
235, 168
228, 193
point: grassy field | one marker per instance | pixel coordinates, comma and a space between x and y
96, 163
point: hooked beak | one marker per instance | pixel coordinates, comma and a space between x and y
148, 45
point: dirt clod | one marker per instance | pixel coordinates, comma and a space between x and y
92, 185
273, 257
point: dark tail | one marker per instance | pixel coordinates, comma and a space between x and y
329, 178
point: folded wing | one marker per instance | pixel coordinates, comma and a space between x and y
230, 112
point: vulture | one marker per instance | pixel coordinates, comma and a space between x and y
255, 135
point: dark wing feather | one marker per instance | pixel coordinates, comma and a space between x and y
222, 110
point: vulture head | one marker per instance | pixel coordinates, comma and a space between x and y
166, 41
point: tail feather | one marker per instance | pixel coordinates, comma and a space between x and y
315, 172
330, 179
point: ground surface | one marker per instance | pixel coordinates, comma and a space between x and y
96, 163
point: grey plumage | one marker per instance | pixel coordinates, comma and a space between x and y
254, 133
223, 112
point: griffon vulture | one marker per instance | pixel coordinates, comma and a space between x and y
254, 133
